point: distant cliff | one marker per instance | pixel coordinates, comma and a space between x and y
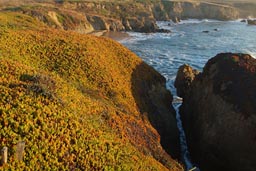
86, 16
246, 9
89, 16
183, 10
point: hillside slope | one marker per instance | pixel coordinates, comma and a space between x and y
75, 101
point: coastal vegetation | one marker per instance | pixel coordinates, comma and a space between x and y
80, 102
68, 96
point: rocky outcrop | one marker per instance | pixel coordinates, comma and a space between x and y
219, 114
183, 10
251, 22
183, 81
155, 101
86, 17
146, 25
89, 16
103, 23
140, 17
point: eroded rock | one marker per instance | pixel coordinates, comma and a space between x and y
251, 22
219, 114
186, 74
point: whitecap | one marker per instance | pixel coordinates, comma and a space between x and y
197, 21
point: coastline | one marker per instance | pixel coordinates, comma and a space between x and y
115, 35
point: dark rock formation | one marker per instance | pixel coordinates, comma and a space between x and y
155, 101
251, 22
219, 114
145, 25
103, 23
183, 81
163, 31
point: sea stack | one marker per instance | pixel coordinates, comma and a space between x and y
219, 114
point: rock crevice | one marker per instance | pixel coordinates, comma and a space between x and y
218, 113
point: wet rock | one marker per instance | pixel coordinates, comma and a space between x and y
219, 114
149, 26
243, 21
205, 31
251, 22
163, 31
175, 19
186, 74
145, 25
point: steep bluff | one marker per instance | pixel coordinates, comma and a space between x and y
140, 16
218, 113
80, 102
86, 16
199, 10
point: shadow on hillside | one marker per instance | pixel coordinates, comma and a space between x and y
152, 98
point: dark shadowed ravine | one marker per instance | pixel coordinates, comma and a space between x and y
192, 42
183, 142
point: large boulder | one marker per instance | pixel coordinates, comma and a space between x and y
251, 22
186, 74
219, 114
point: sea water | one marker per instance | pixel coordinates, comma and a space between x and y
191, 42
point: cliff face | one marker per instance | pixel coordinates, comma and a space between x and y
155, 102
184, 79
200, 10
246, 9
86, 16
218, 114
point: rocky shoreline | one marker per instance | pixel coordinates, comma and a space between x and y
90, 16
218, 112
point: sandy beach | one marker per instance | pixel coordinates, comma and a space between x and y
118, 36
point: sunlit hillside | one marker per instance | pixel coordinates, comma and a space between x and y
71, 98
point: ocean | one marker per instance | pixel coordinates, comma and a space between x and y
191, 42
